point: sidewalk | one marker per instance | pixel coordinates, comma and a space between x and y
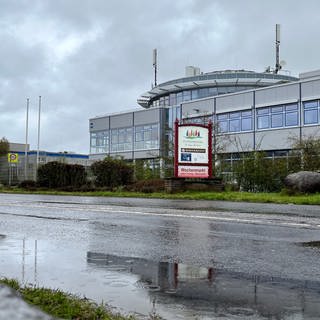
14, 308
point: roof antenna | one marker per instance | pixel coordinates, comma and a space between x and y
155, 66
278, 65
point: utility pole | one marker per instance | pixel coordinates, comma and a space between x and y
155, 66
278, 65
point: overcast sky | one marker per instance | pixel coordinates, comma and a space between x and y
92, 57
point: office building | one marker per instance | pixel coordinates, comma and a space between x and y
251, 111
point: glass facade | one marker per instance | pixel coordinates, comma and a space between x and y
125, 139
192, 94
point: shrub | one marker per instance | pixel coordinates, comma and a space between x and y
112, 172
59, 175
28, 184
146, 169
256, 173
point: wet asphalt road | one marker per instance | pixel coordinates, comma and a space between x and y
255, 240
262, 238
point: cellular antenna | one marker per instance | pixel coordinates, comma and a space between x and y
278, 65
155, 66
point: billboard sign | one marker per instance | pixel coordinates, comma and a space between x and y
193, 150
193, 144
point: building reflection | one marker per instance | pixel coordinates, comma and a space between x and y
217, 291
25, 252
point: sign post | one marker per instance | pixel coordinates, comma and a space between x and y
13, 158
193, 151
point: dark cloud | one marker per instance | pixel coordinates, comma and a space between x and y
92, 57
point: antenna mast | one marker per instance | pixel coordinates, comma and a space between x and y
278, 65
155, 66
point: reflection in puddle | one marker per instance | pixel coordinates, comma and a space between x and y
218, 293
143, 287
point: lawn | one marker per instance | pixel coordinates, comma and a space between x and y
280, 198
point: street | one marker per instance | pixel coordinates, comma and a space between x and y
178, 259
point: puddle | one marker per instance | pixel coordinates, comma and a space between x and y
169, 289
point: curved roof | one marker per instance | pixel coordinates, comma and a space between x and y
214, 79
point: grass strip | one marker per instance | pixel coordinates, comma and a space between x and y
62, 305
279, 198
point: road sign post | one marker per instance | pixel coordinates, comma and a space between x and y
13, 159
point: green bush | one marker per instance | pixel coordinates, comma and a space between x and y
112, 172
145, 169
60, 175
256, 173
307, 152
28, 184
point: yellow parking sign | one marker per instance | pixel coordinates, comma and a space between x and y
13, 157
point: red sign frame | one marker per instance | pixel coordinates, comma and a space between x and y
192, 170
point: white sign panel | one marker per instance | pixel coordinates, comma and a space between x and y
193, 145
193, 172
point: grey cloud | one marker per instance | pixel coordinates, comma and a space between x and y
109, 62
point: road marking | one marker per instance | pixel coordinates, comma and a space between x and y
92, 208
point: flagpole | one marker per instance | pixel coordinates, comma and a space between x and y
38, 136
26, 146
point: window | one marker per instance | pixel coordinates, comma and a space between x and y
291, 115
147, 137
203, 92
263, 122
263, 118
213, 91
161, 101
186, 95
179, 97
195, 94
121, 139
246, 124
278, 116
234, 125
235, 121
223, 122
172, 99
246, 120
99, 142
178, 113
311, 111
